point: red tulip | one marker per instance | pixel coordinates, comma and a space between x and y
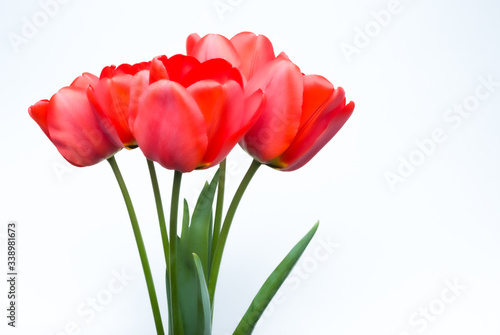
115, 97
69, 122
302, 113
246, 51
193, 113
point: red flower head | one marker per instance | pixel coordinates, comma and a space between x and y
69, 122
246, 51
193, 114
115, 97
302, 113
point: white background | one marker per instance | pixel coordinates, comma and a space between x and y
383, 255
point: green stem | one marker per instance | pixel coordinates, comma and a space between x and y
219, 208
140, 246
159, 209
174, 293
163, 230
219, 249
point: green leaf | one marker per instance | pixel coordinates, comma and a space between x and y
185, 223
199, 230
204, 301
195, 238
272, 284
210, 241
187, 289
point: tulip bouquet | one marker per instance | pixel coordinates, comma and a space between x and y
187, 112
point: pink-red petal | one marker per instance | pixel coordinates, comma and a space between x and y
158, 69
178, 66
271, 135
111, 71
222, 106
139, 84
215, 69
212, 46
38, 112
317, 92
110, 99
254, 52
312, 128
169, 127
191, 42
337, 121
75, 131
85, 80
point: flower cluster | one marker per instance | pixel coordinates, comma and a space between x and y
188, 111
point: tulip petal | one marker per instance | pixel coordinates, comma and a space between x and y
38, 112
254, 52
223, 109
158, 69
169, 127
342, 114
209, 97
140, 67
74, 129
317, 92
191, 42
253, 109
112, 71
110, 99
108, 72
212, 46
85, 80
178, 66
215, 69
131, 69
139, 84
254, 104
314, 126
271, 135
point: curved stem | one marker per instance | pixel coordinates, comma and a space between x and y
174, 208
140, 246
163, 230
159, 209
219, 249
